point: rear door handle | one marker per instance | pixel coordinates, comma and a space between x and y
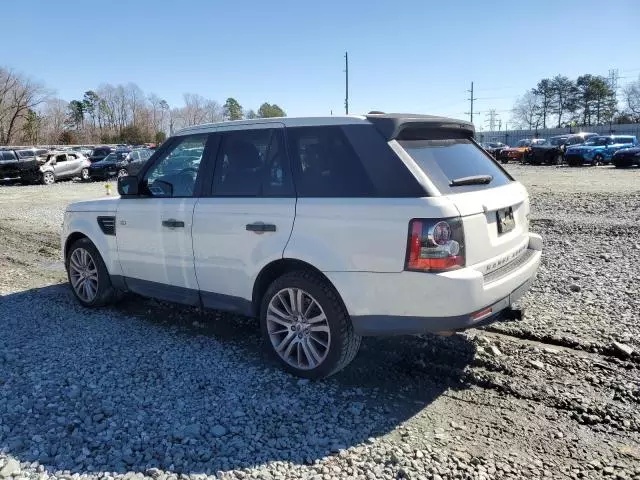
259, 227
172, 223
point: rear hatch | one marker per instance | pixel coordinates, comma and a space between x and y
493, 206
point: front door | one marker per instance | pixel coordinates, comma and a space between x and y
61, 168
246, 221
154, 231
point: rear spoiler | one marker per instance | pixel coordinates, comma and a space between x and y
400, 126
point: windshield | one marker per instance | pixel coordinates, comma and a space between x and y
114, 157
597, 141
446, 160
555, 141
523, 143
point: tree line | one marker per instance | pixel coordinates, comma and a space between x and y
586, 101
30, 114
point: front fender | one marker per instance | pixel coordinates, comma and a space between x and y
86, 224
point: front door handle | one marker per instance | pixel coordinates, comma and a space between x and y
259, 227
172, 223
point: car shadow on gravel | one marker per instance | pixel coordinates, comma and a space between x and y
147, 385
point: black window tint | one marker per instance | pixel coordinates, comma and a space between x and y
325, 165
446, 160
252, 163
8, 156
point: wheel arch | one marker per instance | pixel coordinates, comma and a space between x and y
277, 268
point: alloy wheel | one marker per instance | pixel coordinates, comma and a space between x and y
298, 328
84, 174
83, 274
122, 173
48, 178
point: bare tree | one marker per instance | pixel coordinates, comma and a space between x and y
526, 111
18, 96
54, 114
631, 95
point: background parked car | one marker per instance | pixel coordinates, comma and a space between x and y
494, 148
598, 150
517, 152
99, 153
627, 157
119, 164
552, 151
15, 165
64, 165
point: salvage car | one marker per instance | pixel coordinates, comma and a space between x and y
20, 165
598, 150
517, 152
62, 165
326, 229
494, 148
552, 150
119, 164
627, 157
99, 153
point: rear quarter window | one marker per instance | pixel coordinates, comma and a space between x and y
446, 160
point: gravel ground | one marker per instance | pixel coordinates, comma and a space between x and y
148, 390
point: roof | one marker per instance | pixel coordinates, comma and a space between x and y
285, 121
389, 124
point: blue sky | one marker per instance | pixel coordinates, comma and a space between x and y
410, 55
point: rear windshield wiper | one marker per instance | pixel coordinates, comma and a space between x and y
473, 180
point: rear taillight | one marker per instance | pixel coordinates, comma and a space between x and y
435, 245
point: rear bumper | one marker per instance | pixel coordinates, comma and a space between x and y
414, 303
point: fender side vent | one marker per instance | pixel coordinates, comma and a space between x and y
107, 225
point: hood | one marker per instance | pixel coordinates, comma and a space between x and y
581, 148
628, 151
544, 147
101, 205
103, 164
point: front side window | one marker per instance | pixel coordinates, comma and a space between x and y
252, 163
325, 164
174, 173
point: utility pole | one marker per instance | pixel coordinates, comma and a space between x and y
346, 83
471, 99
613, 84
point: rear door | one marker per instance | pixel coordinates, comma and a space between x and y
62, 167
494, 208
246, 221
76, 162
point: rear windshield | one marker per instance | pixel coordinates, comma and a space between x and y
444, 161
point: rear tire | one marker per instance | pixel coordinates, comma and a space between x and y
85, 267
122, 173
84, 175
288, 323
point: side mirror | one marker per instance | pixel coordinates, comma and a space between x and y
129, 186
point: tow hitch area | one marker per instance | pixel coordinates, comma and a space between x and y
512, 314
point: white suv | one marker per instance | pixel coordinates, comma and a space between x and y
327, 229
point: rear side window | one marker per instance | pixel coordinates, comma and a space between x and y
445, 161
325, 165
7, 156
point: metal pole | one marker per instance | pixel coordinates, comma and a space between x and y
346, 83
471, 102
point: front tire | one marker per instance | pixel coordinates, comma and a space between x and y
88, 275
48, 178
306, 326
84, 175
122, 173
598, 160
